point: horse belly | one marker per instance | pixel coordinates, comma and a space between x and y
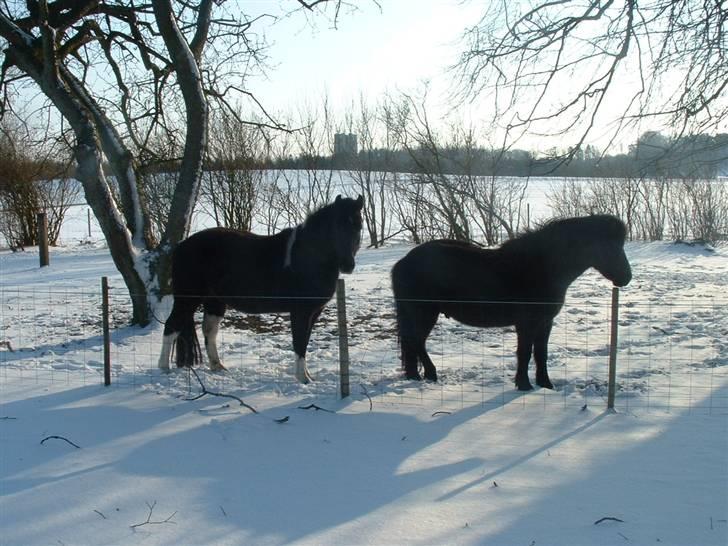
481, 315
499, 314
273, 303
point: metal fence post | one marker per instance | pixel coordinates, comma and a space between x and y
105, 325
343, 338
613, 349
42, 228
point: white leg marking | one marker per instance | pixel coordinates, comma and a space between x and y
210, 327
167, 343
301, 370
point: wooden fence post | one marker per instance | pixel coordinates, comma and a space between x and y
613, 349
105, 323
343, 338
42, 227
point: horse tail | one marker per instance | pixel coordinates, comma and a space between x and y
187, 346
404, 320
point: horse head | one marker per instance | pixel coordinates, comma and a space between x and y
346, 230
609, 256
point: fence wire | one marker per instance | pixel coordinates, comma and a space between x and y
671, 354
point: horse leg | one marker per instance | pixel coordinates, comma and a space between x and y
408, 341
409, 360
523, 353
302, 321
167, 343
540, 355
213, 314
415, 322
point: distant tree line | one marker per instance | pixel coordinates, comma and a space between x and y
420, 181
652, 155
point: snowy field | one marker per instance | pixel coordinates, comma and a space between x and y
466, 461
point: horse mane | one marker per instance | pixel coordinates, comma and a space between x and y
318, 217
598, 227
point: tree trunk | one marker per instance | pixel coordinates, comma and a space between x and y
94, 134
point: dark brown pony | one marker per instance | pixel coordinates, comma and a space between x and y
294, 271
522, 283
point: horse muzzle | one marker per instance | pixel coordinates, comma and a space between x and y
348, 265
623, 280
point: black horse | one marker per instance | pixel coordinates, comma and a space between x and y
294, 271
522, 283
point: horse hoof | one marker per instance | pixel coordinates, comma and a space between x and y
545, 384
524, 386
413, 376
217, 367
304, 378
432, 378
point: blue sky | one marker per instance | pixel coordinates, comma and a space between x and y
380, 47
371, 51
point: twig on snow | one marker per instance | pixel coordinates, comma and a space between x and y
59, 438
608, 518
366, 393
317, 408
6, 418
441, 412
100, 514
221, 394
149, 520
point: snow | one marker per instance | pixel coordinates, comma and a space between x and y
466, 461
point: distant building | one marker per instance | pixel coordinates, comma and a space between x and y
345, 144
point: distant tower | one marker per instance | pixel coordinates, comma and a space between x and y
345, 145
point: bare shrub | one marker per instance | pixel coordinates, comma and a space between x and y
32, 181
234, 177
709, 209
372, 169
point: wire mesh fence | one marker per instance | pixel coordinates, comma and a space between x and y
671, 354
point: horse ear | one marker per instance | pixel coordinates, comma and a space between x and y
338, 198
360, 202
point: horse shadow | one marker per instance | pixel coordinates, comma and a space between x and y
246, 475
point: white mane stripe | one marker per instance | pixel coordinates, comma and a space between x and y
289, 248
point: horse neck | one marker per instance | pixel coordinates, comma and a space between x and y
313, 243
569, 259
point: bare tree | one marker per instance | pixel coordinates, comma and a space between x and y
373, 170
554, 67
425, 147
118, 72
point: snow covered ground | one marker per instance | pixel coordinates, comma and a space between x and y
466, 461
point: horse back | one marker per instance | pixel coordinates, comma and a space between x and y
226, 262
477, 286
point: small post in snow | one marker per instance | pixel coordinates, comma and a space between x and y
613, 349
42, 227
343, 339
105, 325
